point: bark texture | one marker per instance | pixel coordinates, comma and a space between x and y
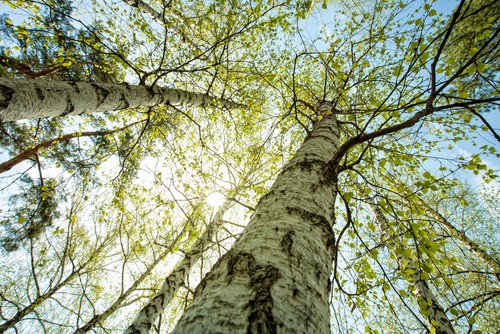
152, 310
29, 99
147, 9
430, 307
275, 278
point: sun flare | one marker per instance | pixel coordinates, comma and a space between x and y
215, 199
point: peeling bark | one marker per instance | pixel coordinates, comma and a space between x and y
30, 99
275, 278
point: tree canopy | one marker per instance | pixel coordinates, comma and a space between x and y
108, 222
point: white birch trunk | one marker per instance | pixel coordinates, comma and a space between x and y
430, 308
275, 278
103, 316
29, 98
491, 261
147, 9
152, 310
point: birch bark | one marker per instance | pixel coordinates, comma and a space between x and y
430, 308
275, 278
29, 99
152, 310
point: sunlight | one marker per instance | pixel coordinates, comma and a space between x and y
215, 200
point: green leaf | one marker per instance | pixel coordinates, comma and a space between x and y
348, 196
481, 67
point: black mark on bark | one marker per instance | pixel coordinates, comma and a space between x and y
287, 243
69, 106
39, 93
124, 103
317, 220
75, 86
262, 278
305, 165
5, 96
101, 93
211, 274
261, 318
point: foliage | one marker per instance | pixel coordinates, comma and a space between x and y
414, 91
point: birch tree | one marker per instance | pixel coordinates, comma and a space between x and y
430, 307
376, 89
24, 99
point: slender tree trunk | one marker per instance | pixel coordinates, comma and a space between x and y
101, 317
29, 99
147, 9
150, 313
491, 261
35, 303
430, 308
48, 294
275, 278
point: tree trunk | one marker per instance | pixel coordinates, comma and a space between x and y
49, 293
152, 310
492, 262
275, 278
430, 308
147, 9
101, 317
29, 99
